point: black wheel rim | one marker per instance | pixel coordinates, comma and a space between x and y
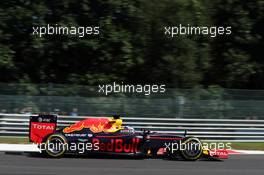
55, 146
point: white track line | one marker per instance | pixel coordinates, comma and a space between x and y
246, 152
19, 148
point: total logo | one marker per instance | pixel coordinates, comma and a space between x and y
43, 127
118, 145
218, 153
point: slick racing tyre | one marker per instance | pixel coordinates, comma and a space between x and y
192, 149
55, 146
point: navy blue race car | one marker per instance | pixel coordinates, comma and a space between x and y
107, 136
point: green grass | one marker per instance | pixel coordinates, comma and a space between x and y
241, 145
248, 145
13, 140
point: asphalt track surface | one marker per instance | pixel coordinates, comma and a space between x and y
25, 165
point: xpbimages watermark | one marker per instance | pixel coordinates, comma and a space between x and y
193, 146
118, 145
146, 89
212, 31
79, 31
80, 147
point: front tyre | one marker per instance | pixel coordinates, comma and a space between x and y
55, 146
192, 149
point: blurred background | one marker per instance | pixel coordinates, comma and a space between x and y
205, 77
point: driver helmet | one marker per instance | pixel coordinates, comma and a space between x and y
117, 121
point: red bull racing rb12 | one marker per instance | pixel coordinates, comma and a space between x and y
107, 136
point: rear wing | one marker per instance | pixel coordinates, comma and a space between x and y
41, 126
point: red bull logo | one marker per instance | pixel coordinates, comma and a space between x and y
118, 145
96, 125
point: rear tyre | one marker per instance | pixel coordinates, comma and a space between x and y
55, 146
192, 150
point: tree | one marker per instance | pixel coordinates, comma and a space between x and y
237, 60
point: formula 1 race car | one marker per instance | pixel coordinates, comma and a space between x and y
107, 136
